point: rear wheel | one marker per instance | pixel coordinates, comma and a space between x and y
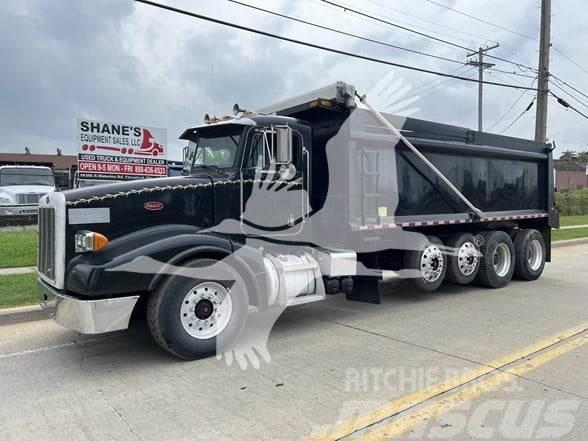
497, 261
530, 254
464, 262
199, 311
430, 264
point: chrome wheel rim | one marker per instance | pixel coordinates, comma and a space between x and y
467, 258
432, 263
501, 260
206, 310
535, 255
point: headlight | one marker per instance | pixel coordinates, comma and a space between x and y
87, 241
4, 200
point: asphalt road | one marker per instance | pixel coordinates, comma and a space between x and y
462, 363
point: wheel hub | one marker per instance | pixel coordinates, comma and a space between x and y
501, 260
432, 263
535, 255
467, 258
206, 310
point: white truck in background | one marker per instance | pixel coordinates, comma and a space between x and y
21, 187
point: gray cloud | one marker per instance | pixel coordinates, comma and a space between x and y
114, 60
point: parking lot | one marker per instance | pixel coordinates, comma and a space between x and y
461, 363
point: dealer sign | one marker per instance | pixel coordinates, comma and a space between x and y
120, 151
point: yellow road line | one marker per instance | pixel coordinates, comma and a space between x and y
392, 408
406, 422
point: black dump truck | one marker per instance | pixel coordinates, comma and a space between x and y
317, 195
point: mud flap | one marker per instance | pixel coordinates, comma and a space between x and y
365, 289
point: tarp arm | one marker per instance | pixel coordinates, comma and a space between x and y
475, 210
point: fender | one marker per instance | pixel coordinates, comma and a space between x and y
250, 265
95, 276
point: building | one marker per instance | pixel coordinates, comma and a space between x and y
570, 176
53, 161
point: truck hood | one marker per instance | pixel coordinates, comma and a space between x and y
24, 189
116, 210
140, 188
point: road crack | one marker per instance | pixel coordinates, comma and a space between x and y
104, 397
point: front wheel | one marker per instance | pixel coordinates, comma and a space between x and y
200, 310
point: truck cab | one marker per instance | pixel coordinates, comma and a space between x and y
236, 154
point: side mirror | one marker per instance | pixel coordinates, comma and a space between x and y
284, 145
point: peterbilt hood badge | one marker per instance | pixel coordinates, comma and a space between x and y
153, 205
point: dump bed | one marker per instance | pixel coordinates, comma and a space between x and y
385, 184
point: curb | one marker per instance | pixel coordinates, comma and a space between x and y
570, 242
17, 270
21, 314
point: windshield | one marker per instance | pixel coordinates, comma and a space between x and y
217, 149
26, 176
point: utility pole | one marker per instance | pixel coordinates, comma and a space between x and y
543, 76
481, 66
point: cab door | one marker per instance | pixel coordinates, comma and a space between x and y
274, 200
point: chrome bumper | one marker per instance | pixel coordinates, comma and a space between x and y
19, 210
86, 316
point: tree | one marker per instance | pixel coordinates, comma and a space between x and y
569, 156
583, 157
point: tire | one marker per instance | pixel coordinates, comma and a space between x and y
530, 252
463, 267
434, 265
497, 261
193, 317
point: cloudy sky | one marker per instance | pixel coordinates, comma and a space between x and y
117, 60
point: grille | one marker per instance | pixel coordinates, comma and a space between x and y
46, 259
28, 198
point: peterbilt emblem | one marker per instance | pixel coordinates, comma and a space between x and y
153, 205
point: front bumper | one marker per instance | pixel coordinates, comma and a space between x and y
86, 316
19, 210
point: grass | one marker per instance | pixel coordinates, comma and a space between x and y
567, 221
18, 290
18, 249
575, 233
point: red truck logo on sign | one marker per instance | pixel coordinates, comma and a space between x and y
149, 146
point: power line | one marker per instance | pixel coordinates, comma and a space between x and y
429, 91
568, 84
338, 31
427, 85
477, 37
520, 115
432, 90
323, 48
570, 95
567, 105
481, 20
562, 53
510, 72
519, 65
440, 40
381, 20
511, 107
